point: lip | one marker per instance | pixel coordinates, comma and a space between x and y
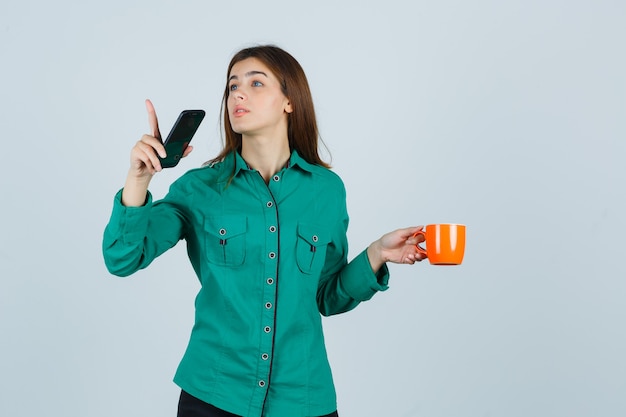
239, 111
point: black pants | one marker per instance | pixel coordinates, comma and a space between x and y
190, 406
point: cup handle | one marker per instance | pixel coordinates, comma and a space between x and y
420, 249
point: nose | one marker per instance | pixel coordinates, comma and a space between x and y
239, 94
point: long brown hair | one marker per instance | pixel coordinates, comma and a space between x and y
302, 125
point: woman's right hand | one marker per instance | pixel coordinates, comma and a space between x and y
144, 157
144, 163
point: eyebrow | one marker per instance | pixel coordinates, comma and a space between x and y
248, 74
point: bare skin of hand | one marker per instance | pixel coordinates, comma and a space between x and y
144, 161
397, 247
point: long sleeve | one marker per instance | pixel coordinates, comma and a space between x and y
344, 285
135, 236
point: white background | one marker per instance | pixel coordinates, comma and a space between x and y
508, 116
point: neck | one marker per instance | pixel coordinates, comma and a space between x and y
266, 156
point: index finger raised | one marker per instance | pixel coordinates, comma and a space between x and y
152, 119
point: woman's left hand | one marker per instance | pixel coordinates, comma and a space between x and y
398, 247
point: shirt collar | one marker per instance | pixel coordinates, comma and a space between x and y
240, 164
297, 160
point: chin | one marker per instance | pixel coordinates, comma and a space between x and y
237, 129
240, 130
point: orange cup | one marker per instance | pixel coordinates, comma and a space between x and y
445, 243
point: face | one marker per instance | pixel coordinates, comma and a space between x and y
256, 104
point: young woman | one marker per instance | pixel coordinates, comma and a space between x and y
265, 225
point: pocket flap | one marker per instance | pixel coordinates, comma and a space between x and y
314, 234
226, 227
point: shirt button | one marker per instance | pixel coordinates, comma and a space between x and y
272, 229
315, 238
267, 329
261, 384
276, 178
265, 356
270, 281
268, 305
269, 204
272, 255
222, 232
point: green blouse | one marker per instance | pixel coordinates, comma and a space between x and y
270, 258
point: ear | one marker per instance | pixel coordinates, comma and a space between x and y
288, 107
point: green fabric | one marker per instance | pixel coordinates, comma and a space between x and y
270, 259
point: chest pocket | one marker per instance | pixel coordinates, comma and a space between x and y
311, 247
225, 240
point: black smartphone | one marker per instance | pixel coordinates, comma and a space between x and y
179, 137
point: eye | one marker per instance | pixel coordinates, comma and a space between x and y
232, 87
257, 84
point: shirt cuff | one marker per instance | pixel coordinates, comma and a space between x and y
360, 282
130, 223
